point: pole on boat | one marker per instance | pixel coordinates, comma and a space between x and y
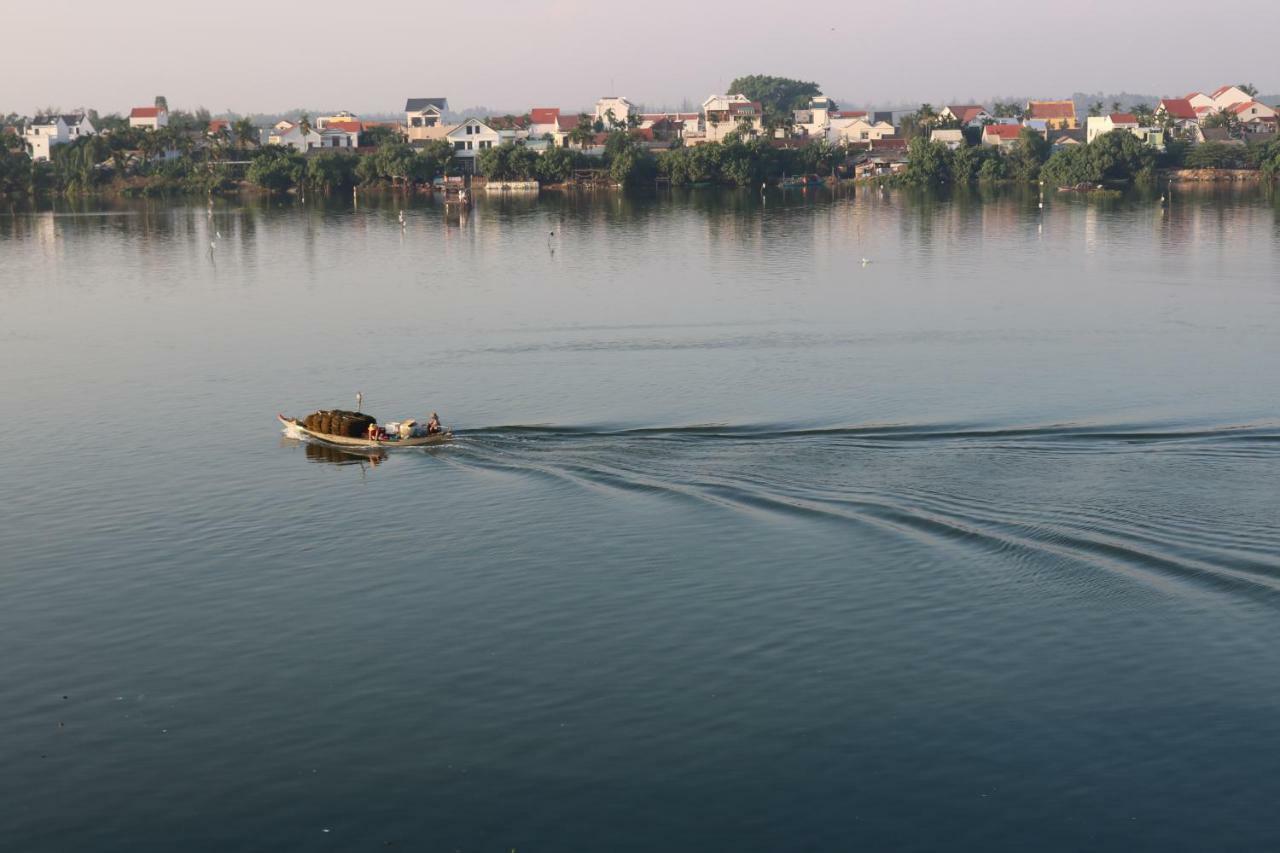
359, 400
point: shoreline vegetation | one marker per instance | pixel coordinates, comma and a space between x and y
186, 158
94, 167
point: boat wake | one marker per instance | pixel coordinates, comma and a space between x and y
1191, 507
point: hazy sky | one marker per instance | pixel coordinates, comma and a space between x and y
368, 57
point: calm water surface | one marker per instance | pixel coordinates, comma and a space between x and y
745, 544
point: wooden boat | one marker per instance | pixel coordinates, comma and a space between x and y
294, 429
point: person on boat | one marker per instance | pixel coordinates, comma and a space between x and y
433, 425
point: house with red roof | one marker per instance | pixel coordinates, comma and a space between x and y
543, 121
1255, 116
1001, 135
1226, 97
1176, 110
966, 115
149, 118
1057, 115
668, 126
1197, 100
1098, 125
352, 129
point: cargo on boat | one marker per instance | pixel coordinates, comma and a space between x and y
356, 429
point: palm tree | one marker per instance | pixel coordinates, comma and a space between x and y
1095, 109
926, 115
245, 133
583, 132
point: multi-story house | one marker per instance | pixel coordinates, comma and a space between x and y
470, 138
724, 114
424, 118
44, 132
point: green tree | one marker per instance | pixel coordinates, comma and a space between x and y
507, 162
928, 163
398, 163
583, 132
1120, 156
245, 133
778, 96
1008, 109
437, 158
632, 166
380, 135
1223, 118
277, 168
1217, 155
332, 170
1067, 167
555, 166
1027, 156
1248, 88
973, 163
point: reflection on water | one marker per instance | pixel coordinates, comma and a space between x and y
328, 454
770, 524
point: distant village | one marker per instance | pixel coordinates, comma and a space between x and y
856, 143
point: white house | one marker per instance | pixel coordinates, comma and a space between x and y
1255, 116
619, 108
424, 118
953, 138
469, 138
338, 137
1228, 96
814, 119
1096, 126
543, 121
857, 131
296, 138
967, 115
78, 125
724, 114
44, 132
150, 118
1198, 101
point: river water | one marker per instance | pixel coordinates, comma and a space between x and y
746, 543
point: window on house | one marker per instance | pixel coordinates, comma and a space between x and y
459, 145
